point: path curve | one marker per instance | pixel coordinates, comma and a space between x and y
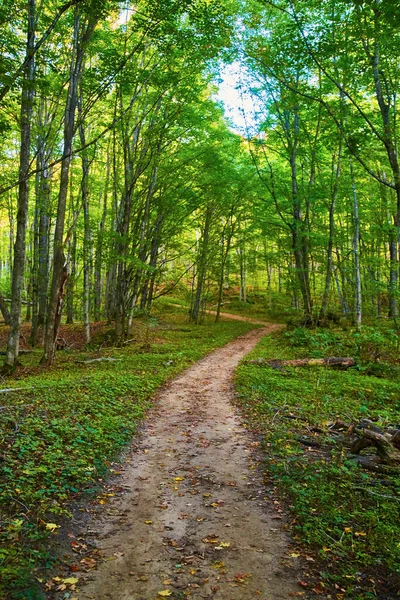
194, 519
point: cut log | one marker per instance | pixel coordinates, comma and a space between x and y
338, 362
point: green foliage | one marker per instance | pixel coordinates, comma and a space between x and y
348, 517
60, 434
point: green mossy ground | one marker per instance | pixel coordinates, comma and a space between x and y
348, 518
59, 435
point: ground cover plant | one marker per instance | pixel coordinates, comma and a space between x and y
60, 431
344, 517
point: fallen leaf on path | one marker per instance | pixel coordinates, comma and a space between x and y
52, 527
148, 522
165, 593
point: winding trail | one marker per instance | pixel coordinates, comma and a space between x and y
194, 519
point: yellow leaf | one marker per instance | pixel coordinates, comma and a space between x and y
51, 526
70, 580
325, 549
347, 529
225, 544
178, 478
294, 555
165, 593
360, 533
214, 505
148, 522
218, 565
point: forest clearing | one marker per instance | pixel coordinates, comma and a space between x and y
199, 298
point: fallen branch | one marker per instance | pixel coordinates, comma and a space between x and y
333, 361
372, 493
308, 442
94, 360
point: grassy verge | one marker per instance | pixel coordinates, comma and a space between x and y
60, 432
343, 516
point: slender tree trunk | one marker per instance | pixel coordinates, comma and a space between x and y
23, 194
70, 285
329, 257
225, 249
194, 315
40, 275
356, 250
98, 291
4, 310
87, 237
60, 276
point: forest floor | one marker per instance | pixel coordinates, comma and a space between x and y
195, 519
197, 506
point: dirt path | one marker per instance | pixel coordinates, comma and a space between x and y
194, 520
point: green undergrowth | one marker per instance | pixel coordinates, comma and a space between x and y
345, 516
60, 433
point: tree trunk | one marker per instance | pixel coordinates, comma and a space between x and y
87, 236
4, 310
194, 314
98, 292
59, 267
329, 257
356, 251
23, 194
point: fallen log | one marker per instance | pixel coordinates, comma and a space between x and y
371, 463
339, 362
4, 352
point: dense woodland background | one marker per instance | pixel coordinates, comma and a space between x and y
122, 180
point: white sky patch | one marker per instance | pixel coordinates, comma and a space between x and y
242, 107
123, 16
